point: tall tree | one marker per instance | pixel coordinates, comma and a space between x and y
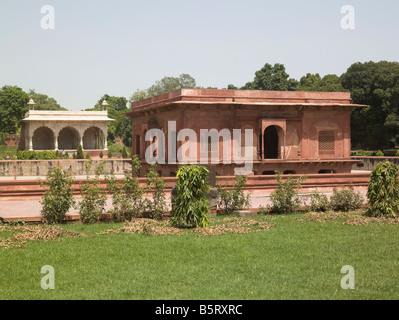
375, 84
166, 84
13, 106
44, 102
122, 126
313, 82
272, 78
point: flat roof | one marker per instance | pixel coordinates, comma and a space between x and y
246, 97
44, 115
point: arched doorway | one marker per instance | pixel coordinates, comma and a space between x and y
270, 143
92, 139
68, 139
43, 139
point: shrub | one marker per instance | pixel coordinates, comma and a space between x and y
285, 198
155, 184
345, 199
127, 197
26, 155
88, 157
109, 154
318, 202
190, 207
79, 153
234, 199
101, 155
93, 196
125, 155
379, 153
383, 191
397, 153
58, 197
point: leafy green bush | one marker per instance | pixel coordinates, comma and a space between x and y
93, 196
101, 155
79, 153
155, 184
379, 153
26, 155
109, 155
125, 154
285, 198
318, 202
345, 199
58, 196
127, 197
397, 153
234, 199
190, 207
383, 191
363, 153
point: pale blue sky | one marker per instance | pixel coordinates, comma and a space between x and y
119, 46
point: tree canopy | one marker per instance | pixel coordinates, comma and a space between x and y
13, 106
44, 102
166, 84
122, 126
375, 84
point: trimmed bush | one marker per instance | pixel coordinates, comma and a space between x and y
383, 191
191, 206
345, 199
379, 153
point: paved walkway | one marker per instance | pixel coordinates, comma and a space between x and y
30, 209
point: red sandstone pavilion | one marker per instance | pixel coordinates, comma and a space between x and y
293, 131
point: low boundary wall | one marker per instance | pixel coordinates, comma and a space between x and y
369, 163
30, 168
260, 184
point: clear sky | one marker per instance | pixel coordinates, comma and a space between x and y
118, 46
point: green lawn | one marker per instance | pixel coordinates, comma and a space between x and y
295, 259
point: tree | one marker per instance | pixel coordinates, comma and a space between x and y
122, 126
375, 84
313, 82
13, 106
272, 78
166, 84
44, 102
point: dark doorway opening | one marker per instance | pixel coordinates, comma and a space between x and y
270, 145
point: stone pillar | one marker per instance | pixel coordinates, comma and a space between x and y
106, 138
30, 143
55, 141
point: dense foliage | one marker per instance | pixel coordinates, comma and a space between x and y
58, 196
285, 198
383, 191
190, 207
234, 199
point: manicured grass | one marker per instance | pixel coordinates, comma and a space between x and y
294, 260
